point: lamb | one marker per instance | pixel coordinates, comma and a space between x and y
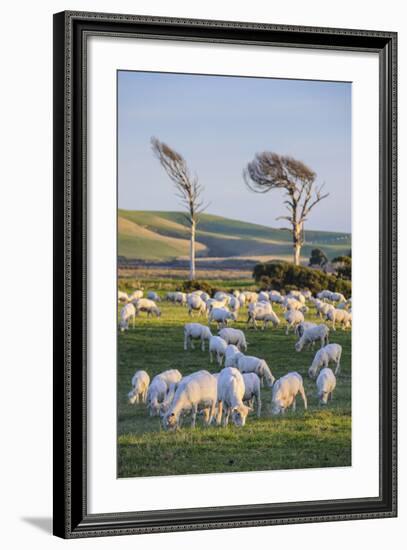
252, 390
299, 329
159, 387
150, 307
123, 297
311, 335
234, 336
195, 303
340, 316
324, 356
217, 346
140, 383
231, 391
151, 295
249, 363
221, 316
326, 383
231, 354
293, 318
127, 314
195, 331
137, 294
285, 391
196, 392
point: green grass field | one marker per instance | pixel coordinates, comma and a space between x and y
304, 439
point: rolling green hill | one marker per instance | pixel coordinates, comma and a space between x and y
150, 235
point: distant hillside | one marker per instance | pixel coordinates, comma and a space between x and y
149, 235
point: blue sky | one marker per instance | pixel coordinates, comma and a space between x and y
218, 124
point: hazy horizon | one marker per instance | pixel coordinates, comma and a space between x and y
218, 124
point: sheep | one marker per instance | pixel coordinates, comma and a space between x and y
212, 303
195, 331
250, 297
270, 318
236, 293
296, 294
222, 297
140, 383
196, 392
180, 298
299, 329
324, 356
294, 304
149, 306
151, 295
252, 390
127, 314
195, 303
285, 391
217, 346
340, 316
159, 387
137, 294
234, 304
337, 297
307, 294
234, 336
258, 312
242, 300
230, 392
123, 297
275, 297
249, 363
230, 355
263, 296
323, 308
326, 383
324, 295
293, 318
311, 335
221, 316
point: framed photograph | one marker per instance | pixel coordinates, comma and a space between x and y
224, 274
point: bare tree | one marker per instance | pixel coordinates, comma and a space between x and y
188, 190
269, 171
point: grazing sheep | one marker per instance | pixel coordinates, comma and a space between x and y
323, 308
324, 295
140, 383
326, 383
296, 294
151, 295
251, 297
285, 391
127, 314
293, 318
307, 294
324, 356
270, 318
123, 297
312, 335
252, 390
231, 390
234, 336
195, 393
150, 307
231, 354
217, 346
195, 331
180, 298
264, 296
159, 387
234, 304
299, 329
249, 363
195, 303
340, 316
221, 316
222, 297
261, 311
137, 294
275, 297
212, 303
292, 304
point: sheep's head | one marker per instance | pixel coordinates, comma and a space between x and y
239, 415
298, 346
124, 325
312, 372
323, 398
276, 408
132, 396
169, 421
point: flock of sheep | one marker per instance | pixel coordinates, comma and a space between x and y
232, 392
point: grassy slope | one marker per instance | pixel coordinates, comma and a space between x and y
217, 237
315, 438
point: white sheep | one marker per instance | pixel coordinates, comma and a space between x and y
252, 390
307, 294
140, 383
148, 306
271, 318
250, 297
285, 391
234, 336
340, 316
312, 335
264, 296
212, 303
293, 318
275, 297
294, 304
249, 363
195, 331
123, 297
324, 356
230, 391
195, 303
127, 314
297, 295
137, 294
159, 387
151, 295
234, 304
231, 355
195, 393
326, 383
299, 329
217, 346
242, 300
323, 308
180, 298
221, 316
259, 312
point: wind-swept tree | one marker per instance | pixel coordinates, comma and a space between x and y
268, 171
187, 187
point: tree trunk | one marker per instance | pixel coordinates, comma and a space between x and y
297, 243
192, 253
